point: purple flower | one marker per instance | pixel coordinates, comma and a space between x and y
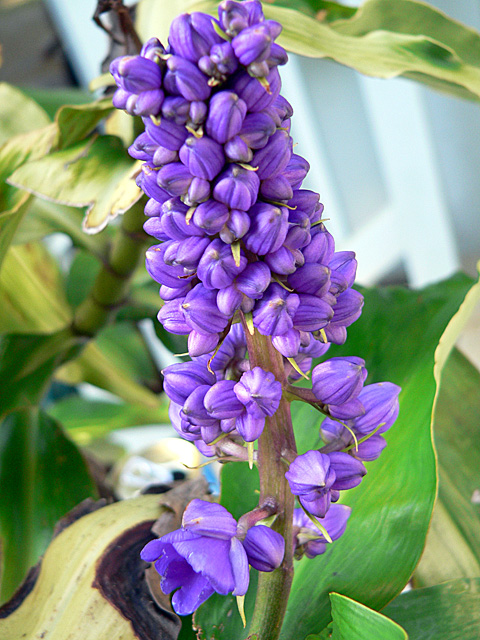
217, 268
338, 380
253, 44
237, 188
317, 478
268, 228
202, 557
185, 79
274, 156
201, 311
381, 407
139, 82
273, 315
308, 539
259, 392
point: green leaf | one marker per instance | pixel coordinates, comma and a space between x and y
355, 621
75, 122
31, 292
397, 335
87, 420
117, 361
18, 113
96, 174
384, 38
43, 217
43, 476
27, 364
13, 153
82, 274
449, 611
453, 534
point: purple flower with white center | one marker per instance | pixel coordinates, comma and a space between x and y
225, 116
273, 314
308, 539
202, 557
259, 392
338, 380
265, 548
317, 478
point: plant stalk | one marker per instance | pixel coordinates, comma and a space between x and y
273, 588
114, 279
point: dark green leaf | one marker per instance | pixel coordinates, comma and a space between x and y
42, 476
82, 274
392, 507
27, 364
355, 621
454, 532
449, 611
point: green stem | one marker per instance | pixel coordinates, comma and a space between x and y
273, 588
113, 281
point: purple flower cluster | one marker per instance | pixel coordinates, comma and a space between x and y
237, 231
211, 553
241, 244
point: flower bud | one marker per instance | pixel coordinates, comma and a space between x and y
237, 150
381, 407
199, 343
211, 216
312, 314
147, 181
338, 380
201, 311
253, 43
254, 280
172, 317
174, 178
268, 229
265, 548
175, 109
236, 226
203, 157
276, 188
257, 129
221, 402
274, 157
311, 278
287, 344
184, 78
181, 379
296, 170
254, 94
225, 116
192, 35
198, 191
217, 268
167, 133
237, 188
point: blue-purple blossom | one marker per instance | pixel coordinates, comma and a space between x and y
338, 380
308, 539
202, 557
317, 478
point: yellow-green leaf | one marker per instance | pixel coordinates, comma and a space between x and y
96, 174
32, 296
